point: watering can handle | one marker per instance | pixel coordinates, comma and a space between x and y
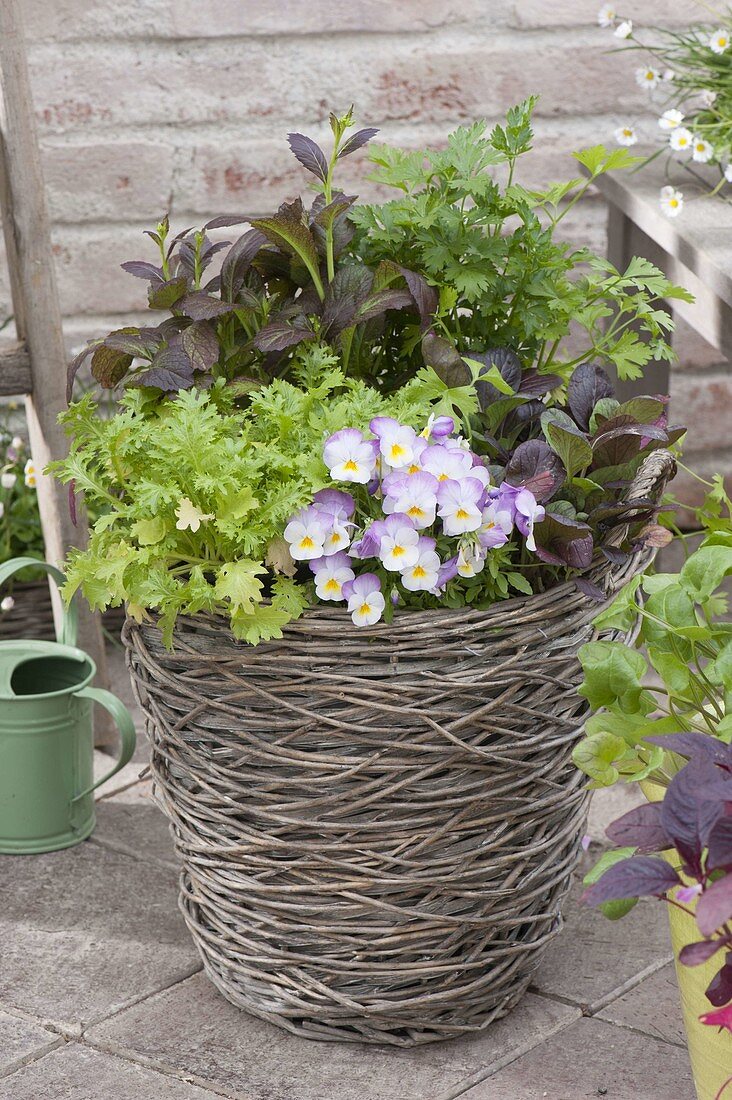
70, 618
124, 723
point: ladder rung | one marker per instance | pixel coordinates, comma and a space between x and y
15, 372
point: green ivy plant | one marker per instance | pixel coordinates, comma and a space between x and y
678, 677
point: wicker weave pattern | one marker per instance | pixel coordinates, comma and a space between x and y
377, 826
32, 615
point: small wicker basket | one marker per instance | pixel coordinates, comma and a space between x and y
377, 827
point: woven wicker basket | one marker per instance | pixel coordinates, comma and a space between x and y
32, 614
377, 826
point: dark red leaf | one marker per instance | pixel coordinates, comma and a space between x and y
357, 140
535, 466
203, 307
714, 907
587, 588
165, 295
225, 220
561, 540
638, 876
588, 384
310, 155
640, 828
109, 366
171, 370
445, 360
719, 847
694, 954
237, 263
142, 270
279, 335
719, 990
201, 345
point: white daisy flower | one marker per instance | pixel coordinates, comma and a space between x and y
728, 173
8, 480
708, 97
624, 29
703, 151
29, 472
7, 603
672, 201
647, 78
668, 75
681, 140
669, 120
606, 15
719, 41
17, 442
626, 135
190, 517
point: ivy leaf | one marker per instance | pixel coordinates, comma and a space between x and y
238, 582
613, 676
596, 755
704, 571
260, 624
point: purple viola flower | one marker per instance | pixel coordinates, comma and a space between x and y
505, 497
413, 494
306, 534
446, 464
528, 512
471, 559
370, 542
423, 574
397, 442
335, 502
399, 543
331, 573
365, 600
458, 505
350, 457
687, 894
496, 527
446, 573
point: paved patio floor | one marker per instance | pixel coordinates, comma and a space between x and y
102, 996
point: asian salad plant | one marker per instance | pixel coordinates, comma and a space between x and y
688, 77
692, 827
375, 404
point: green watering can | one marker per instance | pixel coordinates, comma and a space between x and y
47, 736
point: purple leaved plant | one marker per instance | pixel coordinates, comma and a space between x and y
694, 820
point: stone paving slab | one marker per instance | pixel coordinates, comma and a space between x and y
74, 1072
593, 957
653, 1007
86, 930
137, 827
194, 1030
19, 1039
592, 1059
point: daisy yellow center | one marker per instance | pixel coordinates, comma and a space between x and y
396, 450
721, 41
674, 203
682, 141
628, 132
307, 543
649, 75
332, 585
419, 571
700, 146
351, 465
462, 514
364, 609
397, 551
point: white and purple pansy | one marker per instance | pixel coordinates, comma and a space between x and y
458, 505
415, 495
306, 534
422, 575
399, 542
365, 600
350, 457
397, 442
331, 573
528, 512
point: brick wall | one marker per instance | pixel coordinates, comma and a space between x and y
148, 104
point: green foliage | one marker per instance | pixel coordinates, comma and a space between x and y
505, 277
194, 494
20, 522
688, 639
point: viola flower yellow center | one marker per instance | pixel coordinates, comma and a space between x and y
396, 451
415, 512
306, 543
397, 551
332, 585
413, 469
351, 465
364, 609
462, 514
443, 477
418, 571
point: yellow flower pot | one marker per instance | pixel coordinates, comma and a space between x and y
710, 1050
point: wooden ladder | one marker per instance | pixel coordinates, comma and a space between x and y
35, 366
